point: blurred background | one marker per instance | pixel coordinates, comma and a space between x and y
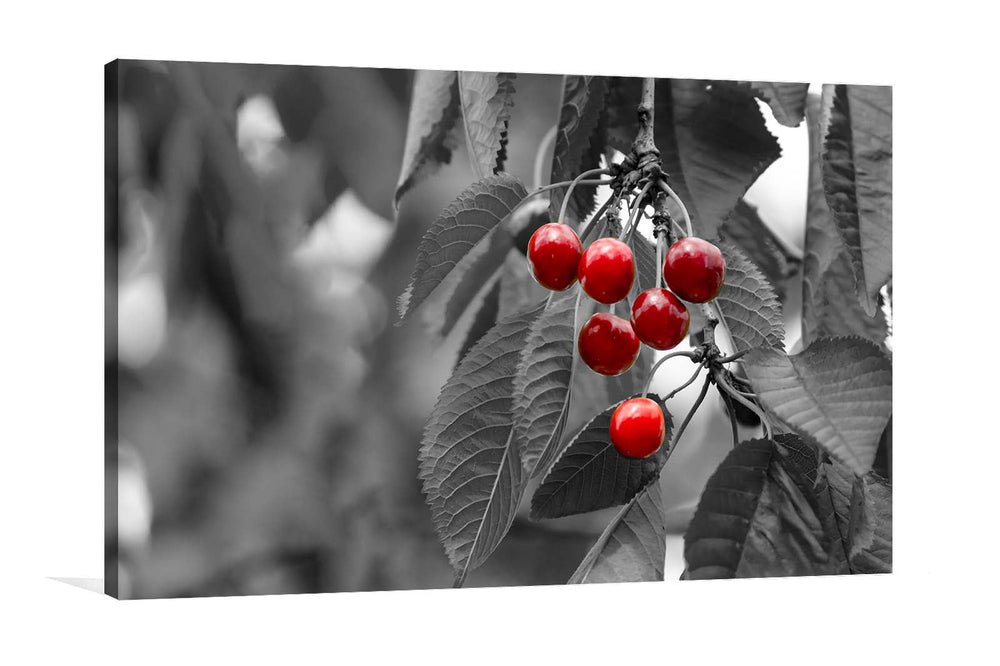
269, 411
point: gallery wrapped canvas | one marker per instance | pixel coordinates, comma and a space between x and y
375, 329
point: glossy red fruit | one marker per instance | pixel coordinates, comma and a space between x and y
694, 270
607, 344
660, 319
637, 428
554, 253
607, 270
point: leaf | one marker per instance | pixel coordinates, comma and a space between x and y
592, 475
714, 144
632, 547
857, 179
431, 134
837, 392
622, 103
364, 139
757, 517
830, 306
545, 375
745, 229
518, 290
646, 269
466, 236
486, 99
822, 243
838, 310
469, 462
579, 141
787, 100
484, 320
863, 510
751, 308
712, 139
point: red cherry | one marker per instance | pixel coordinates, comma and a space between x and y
607, 344
660, 319
554, 253
637, 428
607, 270
694, 270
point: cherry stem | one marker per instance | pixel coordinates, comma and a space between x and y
553, 186
576, 181
731, 410
725, 386
677, 200
636, 214
697, 371
694, 408
596, 218
661, 240
656, 366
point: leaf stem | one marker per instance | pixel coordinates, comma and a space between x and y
656, 366
732, 357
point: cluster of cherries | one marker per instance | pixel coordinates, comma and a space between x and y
693, 270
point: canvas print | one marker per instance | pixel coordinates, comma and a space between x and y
384, 329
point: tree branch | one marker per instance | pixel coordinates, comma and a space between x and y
644, 143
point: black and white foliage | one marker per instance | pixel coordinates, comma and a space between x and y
804, 496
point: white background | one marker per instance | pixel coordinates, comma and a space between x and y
940, 603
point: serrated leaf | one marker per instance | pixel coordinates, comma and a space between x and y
830, 305
622, 102
863, 510
632, 547
486, 99
837, 392
542, 388
714, 144
787, 100
518, 290
431, 131
712, 139
646, 269
484, 319
590, 474
757, 517
822, 243
751, 309
469, 462
579, 141
468, 237
745, 229
857, 179
838, 311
